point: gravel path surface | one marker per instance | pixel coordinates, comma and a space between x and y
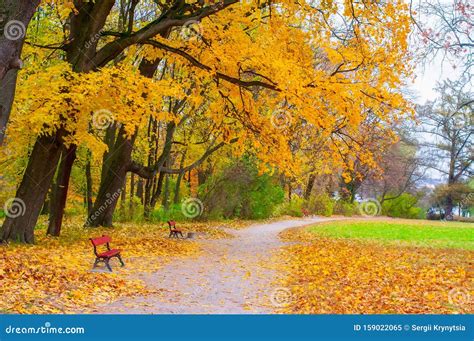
231, 276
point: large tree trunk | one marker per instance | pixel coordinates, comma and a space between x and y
7, 95
132, 195
166, 193
59, 192
309, 186
89, 202
20, 222
15, 16
113, 181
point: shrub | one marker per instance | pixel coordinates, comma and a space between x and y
403, 206
292, 208
2, 214
321, 204
345, 208
172, 213
264, 195
240, 192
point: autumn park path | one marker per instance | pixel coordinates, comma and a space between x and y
232, 275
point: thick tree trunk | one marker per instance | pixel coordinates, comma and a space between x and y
112, 182
159, 188
140, 191
123, 196
59, 192
7, 95
20, 222
166, 193
15, 16
89, 202
178, 180
132, 194
177, 187
309, 186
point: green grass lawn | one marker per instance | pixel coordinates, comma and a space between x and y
417, 232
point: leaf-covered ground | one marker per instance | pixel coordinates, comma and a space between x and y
54, 276
354, 276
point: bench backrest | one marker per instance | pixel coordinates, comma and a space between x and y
100, 240
171, 224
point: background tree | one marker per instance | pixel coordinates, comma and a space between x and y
448, 124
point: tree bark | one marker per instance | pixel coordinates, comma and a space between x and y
7, 95
309, 186
166, 193
112, 182
89, 184
60, 189
140, 191
132, 194
177, 188
19, 225
15, 16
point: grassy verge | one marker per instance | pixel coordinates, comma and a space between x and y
408, 232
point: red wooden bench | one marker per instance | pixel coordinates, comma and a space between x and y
174, 232
106, 255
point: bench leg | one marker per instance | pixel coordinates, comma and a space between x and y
107, 264
120, 259
97, 260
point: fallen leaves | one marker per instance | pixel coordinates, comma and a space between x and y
343, 276
54, 276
